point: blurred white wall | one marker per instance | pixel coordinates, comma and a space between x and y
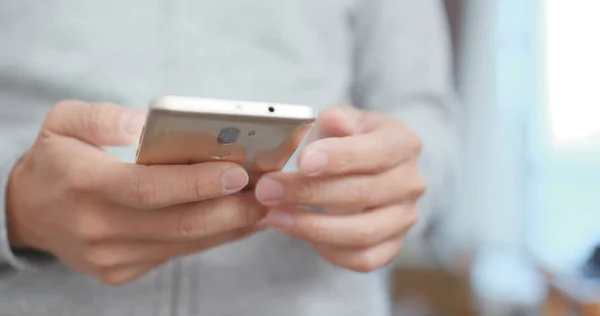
498, 80
492, 199
496, 87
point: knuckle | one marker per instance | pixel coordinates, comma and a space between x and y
369, 260
96, 118
43, 139
340, 163
91, 228
91, 234
191, 224
361, 192
418, 186
366, 262
316, 232
114, 278
62, 106
366, 236
258, 213
144, 192
78, 180
99, 258
58, 111
252, 215
387, 153
242, 211
234, 212
253, 211
196, 186
414, 143
387, 160
306, 191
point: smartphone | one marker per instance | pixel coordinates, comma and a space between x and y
260, 136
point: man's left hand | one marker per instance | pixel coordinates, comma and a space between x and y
361, 167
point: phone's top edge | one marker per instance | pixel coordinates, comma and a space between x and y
183, 104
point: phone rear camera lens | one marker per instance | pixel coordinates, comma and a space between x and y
271, 109
229, 135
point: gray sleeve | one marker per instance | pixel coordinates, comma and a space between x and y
20, 119
7, 257
403, 68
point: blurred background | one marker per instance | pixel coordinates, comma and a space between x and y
527, 216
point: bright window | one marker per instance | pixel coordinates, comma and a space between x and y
573, 70
565, 178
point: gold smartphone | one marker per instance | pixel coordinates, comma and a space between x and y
261, 137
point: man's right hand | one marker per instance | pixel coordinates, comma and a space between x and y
114, 220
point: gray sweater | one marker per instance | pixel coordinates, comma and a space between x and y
384, 55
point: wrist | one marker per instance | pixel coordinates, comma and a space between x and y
16, 237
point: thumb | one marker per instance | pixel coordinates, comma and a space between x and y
99, 124
338, 121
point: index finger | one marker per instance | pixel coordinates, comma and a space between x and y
376, 151
99, 124
151, 187
357, 230
192, 221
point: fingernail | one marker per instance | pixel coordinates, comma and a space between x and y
313, 163
133, 122
278, 219
269, 191
234, 180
